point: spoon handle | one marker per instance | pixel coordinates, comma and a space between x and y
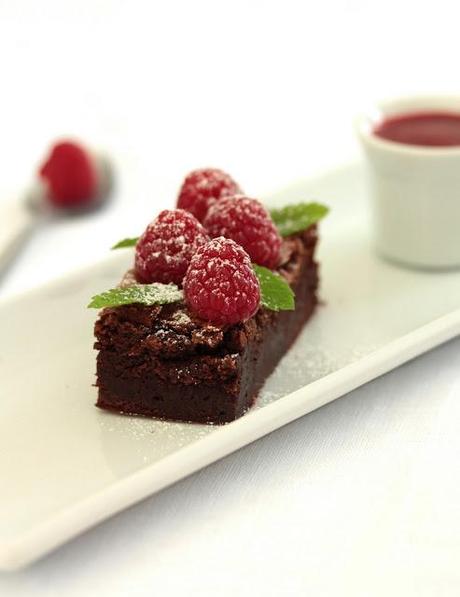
17, 220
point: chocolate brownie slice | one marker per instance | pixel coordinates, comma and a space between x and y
162, 362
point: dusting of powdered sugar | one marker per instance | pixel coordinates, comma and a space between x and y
130, 443
304, 364
181, 317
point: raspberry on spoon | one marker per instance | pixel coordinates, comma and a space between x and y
71, 175
202, 188
164, 251
220, 285
248, 223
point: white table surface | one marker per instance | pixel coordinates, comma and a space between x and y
359, 498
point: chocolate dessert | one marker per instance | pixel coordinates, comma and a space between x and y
163, 361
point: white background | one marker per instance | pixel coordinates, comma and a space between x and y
359, 498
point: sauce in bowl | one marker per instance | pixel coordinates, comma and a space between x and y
428, 129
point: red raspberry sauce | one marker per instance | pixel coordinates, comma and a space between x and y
429, 129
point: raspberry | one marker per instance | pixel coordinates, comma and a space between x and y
70, 175
220, 285
248, 223
164, 251
202, 188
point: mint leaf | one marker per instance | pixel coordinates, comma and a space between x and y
126, 242
297, 217
145, 294
275, 292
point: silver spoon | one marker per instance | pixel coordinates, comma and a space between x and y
20, 217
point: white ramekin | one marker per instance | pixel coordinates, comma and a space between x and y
414, 191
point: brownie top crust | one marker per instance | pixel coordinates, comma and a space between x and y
172, 332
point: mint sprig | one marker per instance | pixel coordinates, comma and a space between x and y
145, 294
126, 242
297, 217
275, 292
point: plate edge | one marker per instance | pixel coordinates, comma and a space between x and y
71, 522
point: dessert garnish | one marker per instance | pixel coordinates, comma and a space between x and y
220, 285
164, 251
247, 222
296, 217
126, 243
143, 294
274, 293
202, 188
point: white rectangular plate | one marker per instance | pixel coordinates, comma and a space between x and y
66, 465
